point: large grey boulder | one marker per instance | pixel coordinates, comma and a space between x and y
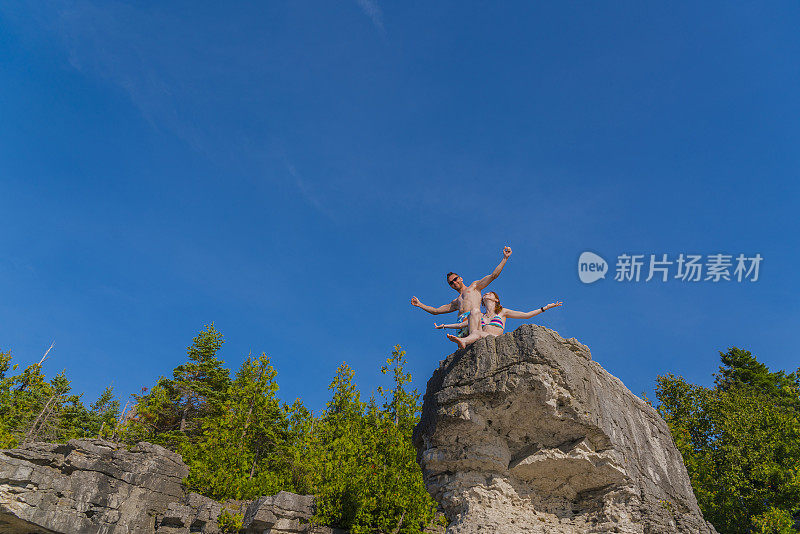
87, 486
525, 433
96, 486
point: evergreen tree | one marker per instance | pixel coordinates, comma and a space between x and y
242, 453
103, 414
739, 367
35, 409
740, 441
173, 411
7, 416
300, 447
367, 477
201, 384
404, 504
337, 441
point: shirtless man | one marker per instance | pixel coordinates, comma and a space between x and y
468, 302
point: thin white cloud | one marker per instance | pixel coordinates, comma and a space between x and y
309, 193
113, 42
152, 56
373, 11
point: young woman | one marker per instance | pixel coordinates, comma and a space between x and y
493, 322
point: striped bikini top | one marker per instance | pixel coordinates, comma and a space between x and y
496, 321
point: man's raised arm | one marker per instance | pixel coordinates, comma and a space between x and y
486, 280
430, 309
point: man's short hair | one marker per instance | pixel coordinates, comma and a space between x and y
448, 275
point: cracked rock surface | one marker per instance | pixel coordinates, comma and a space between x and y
96, 486
526, 433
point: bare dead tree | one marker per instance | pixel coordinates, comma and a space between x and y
46, 353
41, 419
121, 421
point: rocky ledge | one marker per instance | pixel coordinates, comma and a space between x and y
95, 486
525, 433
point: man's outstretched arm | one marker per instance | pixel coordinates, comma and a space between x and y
430, 309
486, 280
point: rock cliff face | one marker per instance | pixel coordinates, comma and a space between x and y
95, 486
525, 433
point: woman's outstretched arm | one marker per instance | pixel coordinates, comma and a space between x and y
512, 314
454, 325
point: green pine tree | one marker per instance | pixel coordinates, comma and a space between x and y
243, 452
366, 475
172, 413
740, 441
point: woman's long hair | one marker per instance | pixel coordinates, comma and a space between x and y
497, 306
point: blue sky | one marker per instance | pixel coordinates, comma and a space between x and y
296, 171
